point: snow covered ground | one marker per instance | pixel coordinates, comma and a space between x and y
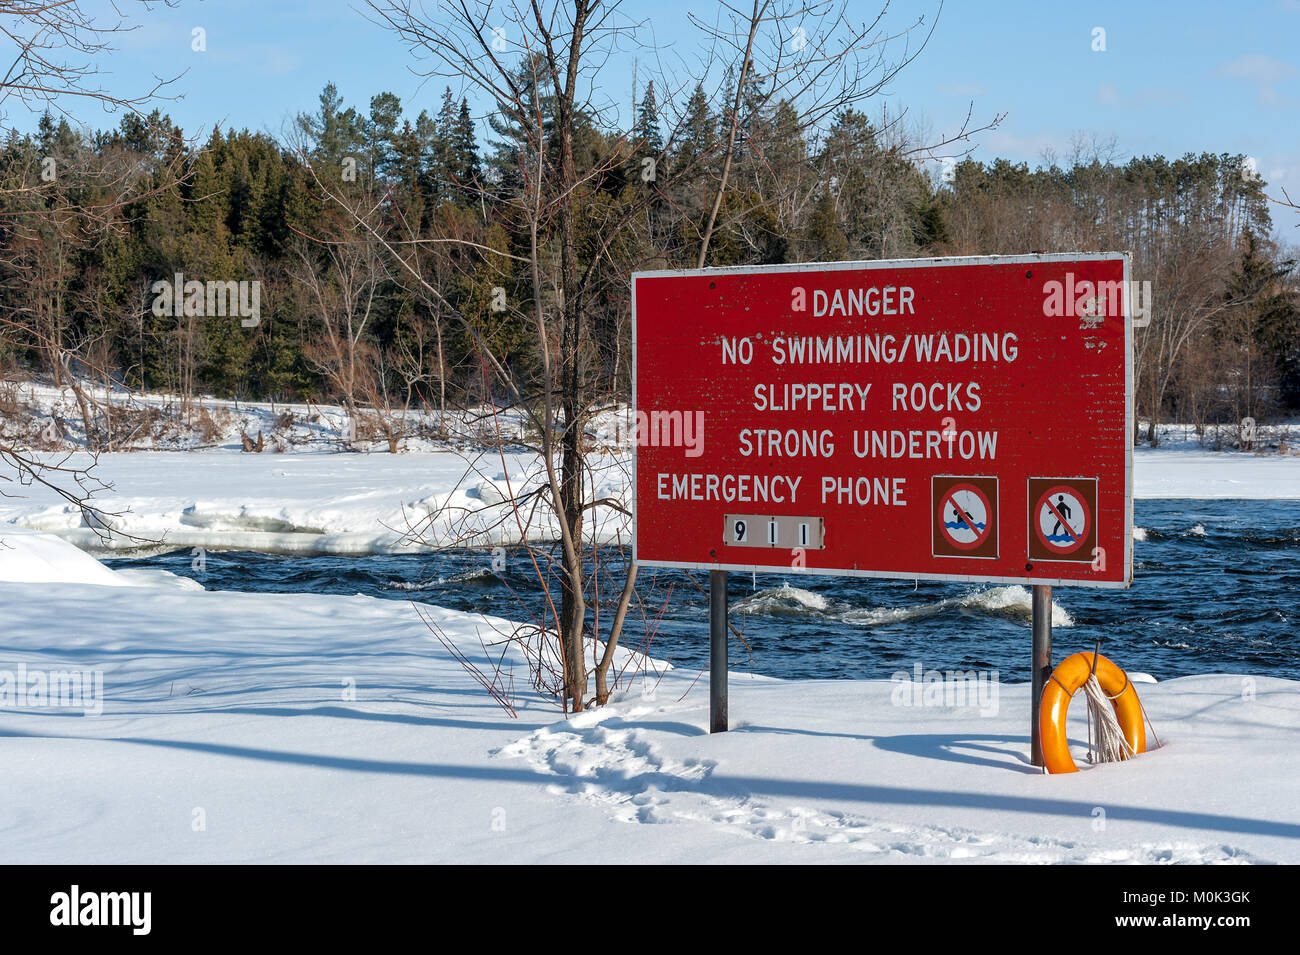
316, 503
182, 491
1192, 474
278, 728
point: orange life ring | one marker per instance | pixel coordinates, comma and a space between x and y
1066, 679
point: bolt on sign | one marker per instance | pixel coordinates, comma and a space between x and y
948, 419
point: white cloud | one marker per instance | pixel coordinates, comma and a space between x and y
1145, 97
1264, 72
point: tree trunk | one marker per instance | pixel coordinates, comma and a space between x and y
615, 632
572, 387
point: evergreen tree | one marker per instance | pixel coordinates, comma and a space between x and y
332, 133
649, 138
512, 148
465, 149
381, 132
699, 128
1264, 328
824, 240
443, 158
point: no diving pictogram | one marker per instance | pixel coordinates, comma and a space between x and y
965, 516
1062, 518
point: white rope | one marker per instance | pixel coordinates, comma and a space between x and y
1107, 744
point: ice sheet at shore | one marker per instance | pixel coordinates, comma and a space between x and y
311, 503
1205, 475
322, 503
251, 727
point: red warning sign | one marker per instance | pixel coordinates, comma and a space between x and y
965, 516
901, 408
1061, 519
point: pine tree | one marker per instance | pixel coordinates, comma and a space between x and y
443, 161
824, 239
465, 149
1264, 328
381, 132
333, 133
649, 139
513, 146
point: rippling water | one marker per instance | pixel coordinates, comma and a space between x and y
1216, 590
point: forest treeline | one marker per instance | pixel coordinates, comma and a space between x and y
92, 222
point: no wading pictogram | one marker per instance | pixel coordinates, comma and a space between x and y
1062, 519
965, 516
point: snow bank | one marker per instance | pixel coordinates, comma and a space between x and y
151, 421
319, 503
30, 557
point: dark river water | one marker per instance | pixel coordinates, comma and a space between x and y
1216, 590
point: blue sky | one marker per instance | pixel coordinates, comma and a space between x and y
1174, 76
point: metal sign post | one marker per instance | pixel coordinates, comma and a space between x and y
1042, 665
717, 651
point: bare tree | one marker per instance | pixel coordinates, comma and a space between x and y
545, 67
341, 276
